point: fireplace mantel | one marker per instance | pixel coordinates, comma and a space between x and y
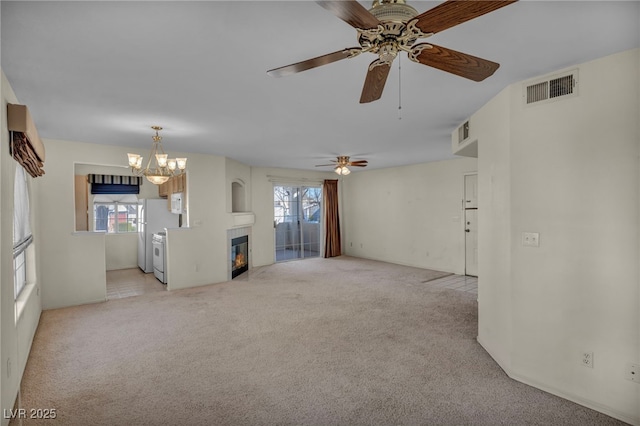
241, 219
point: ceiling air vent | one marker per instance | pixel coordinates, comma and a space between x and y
463, 132
553, 87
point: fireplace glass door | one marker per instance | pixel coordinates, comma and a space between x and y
297, 221
239, 256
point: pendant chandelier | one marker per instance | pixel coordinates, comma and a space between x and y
163, 169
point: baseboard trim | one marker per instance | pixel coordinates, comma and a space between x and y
393, 262
557, 392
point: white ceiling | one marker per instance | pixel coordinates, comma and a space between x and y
105, 71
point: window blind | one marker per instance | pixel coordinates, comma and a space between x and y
21, 227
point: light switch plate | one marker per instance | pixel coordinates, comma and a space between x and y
531, 239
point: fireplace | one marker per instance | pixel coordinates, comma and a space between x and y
239, 255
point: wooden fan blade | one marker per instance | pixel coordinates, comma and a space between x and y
449, 60
357, 165
313, 63
357, 162
374, 82
351, 12
454, 12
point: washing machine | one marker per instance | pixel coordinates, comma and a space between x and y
158, 242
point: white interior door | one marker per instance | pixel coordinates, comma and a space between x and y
471, 224
471, 241
471, 191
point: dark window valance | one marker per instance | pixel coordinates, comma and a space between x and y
112, 184
114, 179
25, 144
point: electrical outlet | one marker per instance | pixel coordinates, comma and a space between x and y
633, 373
530, 239
587, 359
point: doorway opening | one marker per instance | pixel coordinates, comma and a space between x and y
297, 221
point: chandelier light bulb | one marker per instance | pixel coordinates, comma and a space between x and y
171, 164
182, 163
162, 160
133, 159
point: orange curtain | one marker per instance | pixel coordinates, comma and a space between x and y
332, 245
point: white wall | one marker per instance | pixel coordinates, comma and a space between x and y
409, 215
574, 178
15, 335
121, 251
73, 264
197, 255
494, 226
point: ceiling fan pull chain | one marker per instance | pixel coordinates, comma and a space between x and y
399, 90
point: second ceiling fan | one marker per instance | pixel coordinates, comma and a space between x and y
391, 27
342, 163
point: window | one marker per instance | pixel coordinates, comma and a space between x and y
115, 217
21, 231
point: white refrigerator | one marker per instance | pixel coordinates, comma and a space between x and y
153, 217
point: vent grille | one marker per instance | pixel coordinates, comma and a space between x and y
463, 132
552, 88
561, 86
538, 92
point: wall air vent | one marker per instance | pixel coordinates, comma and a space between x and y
463, 132
538, 92
551, 87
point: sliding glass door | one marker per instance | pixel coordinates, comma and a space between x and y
297, 221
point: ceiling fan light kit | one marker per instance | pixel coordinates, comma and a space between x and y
164, 168
342, 170
391, 27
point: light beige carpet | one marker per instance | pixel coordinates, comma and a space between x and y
340, 341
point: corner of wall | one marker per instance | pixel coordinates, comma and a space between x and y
16, 335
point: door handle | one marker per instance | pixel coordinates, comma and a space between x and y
467, 230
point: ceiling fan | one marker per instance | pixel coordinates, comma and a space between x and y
391, 27
341, 163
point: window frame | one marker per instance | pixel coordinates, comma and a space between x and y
132, 221
19, 273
